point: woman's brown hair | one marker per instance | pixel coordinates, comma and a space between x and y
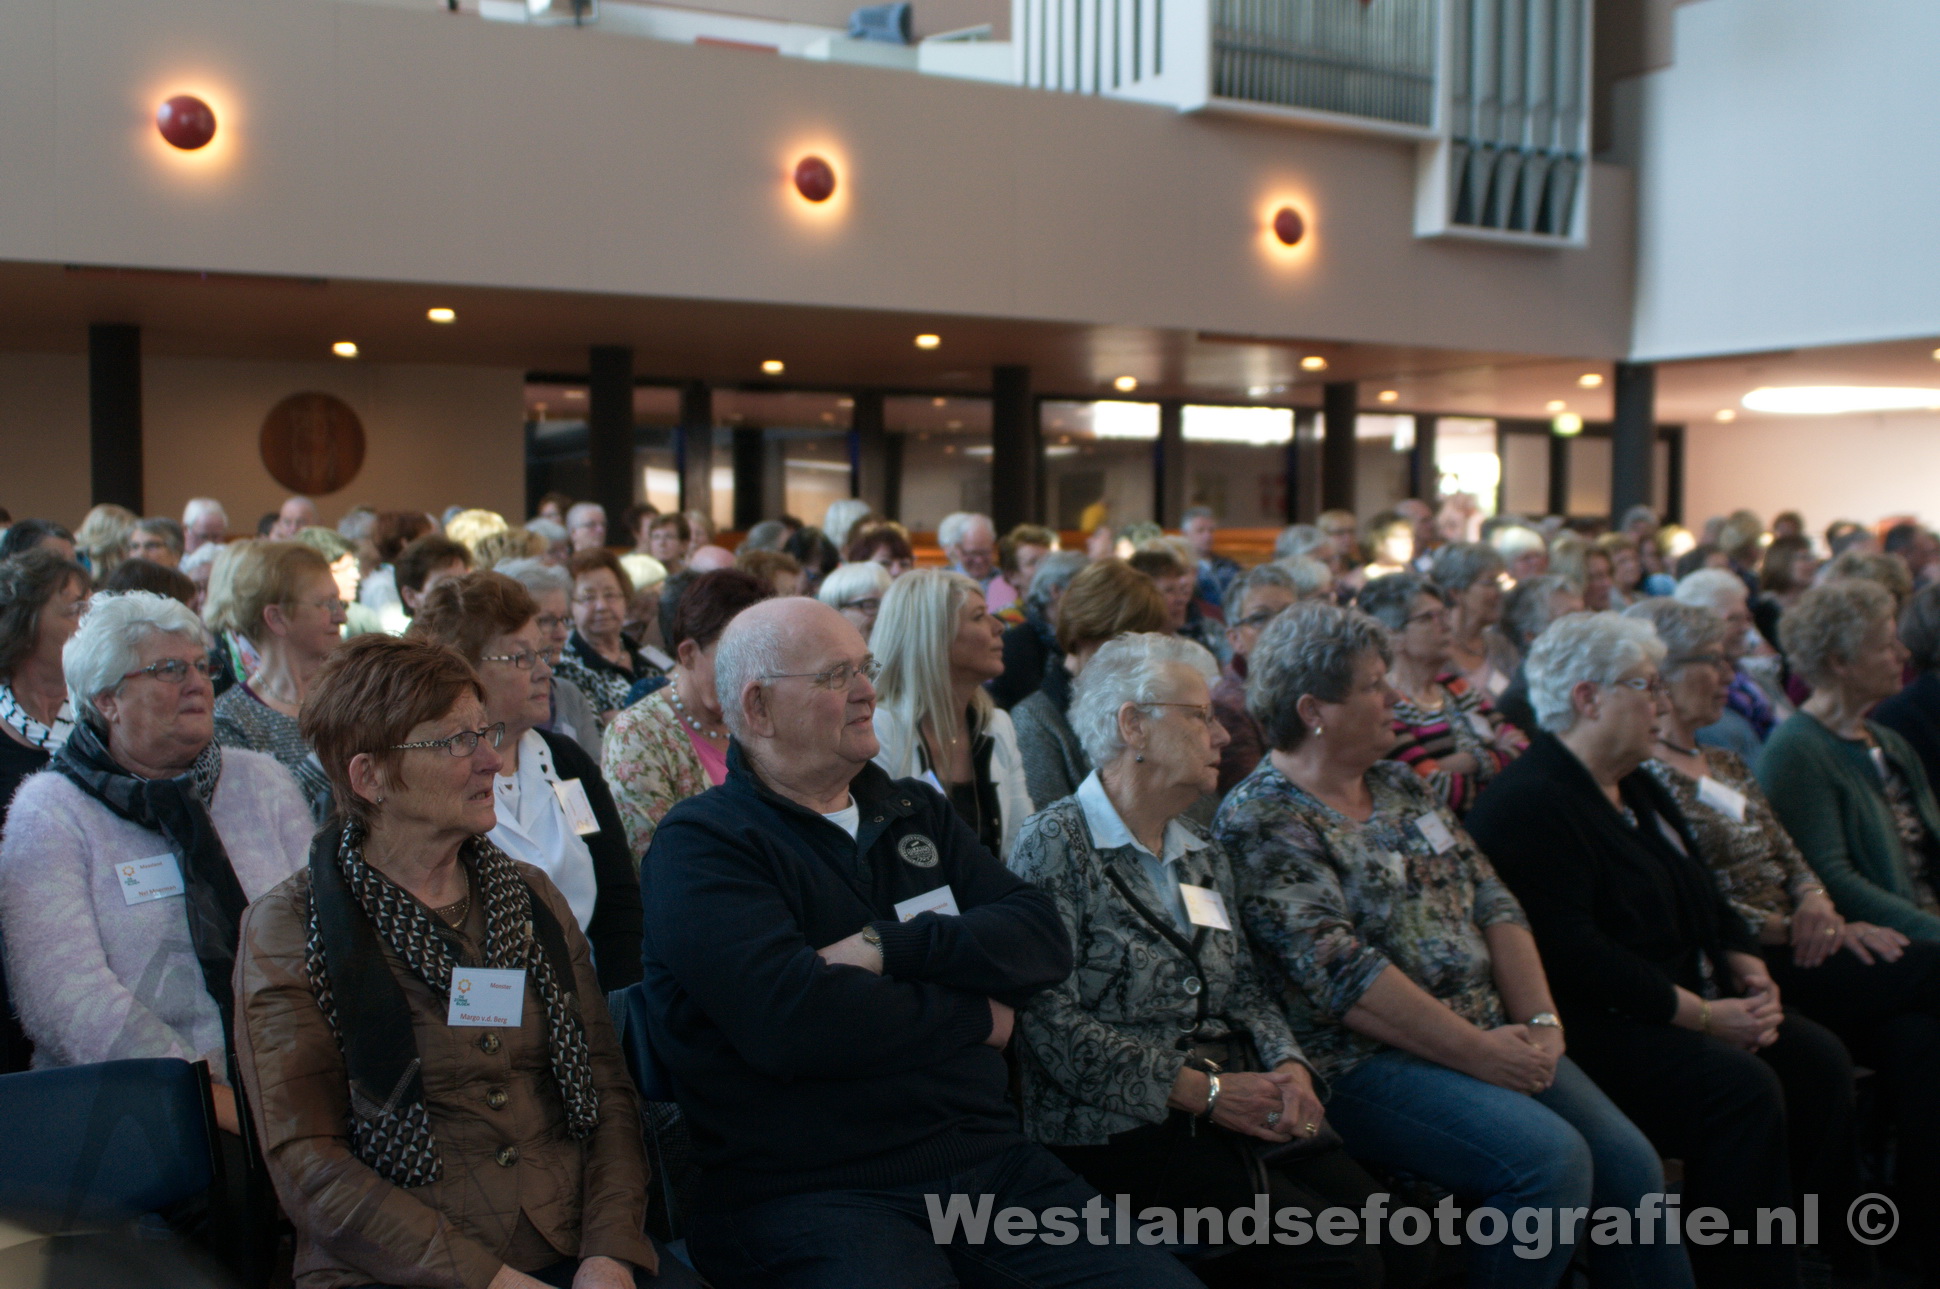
28, 583
593, 560
1108, 597
467, 613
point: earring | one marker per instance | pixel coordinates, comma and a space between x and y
1140, 757
380, 801
1318, 731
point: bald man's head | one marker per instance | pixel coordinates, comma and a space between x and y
791, 675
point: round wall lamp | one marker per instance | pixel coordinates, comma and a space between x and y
186, 122
1289, 226
814, 179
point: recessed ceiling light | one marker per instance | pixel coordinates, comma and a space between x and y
928, 341
1567, 424
1125, 384
938, 402
344, 349
441, 314
1554, 405
1389, 396
1258, 391
1313, 362
773, 366
1727, 414
575, 393
1831, 400
1591, 380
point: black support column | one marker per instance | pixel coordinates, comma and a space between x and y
694, 447
1424, 480
1169, 465
1559, 474
878, 456
1340, 404
1016, 450
1632, 437
114, 415
1673, 436
609, 435
750, 465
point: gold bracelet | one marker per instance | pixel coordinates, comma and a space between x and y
1704, 1016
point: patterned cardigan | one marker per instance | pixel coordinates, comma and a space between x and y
1100, 1050
651, 766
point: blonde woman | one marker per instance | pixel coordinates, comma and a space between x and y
938, 643
102, 538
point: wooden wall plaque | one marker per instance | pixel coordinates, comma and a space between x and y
312, 443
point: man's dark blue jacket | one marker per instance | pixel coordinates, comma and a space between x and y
800, 1076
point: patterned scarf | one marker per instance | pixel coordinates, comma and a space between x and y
352, 906
178, 809
48, 738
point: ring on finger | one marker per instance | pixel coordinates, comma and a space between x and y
1310, 1128
1272, 1117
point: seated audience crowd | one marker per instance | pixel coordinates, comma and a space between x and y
1442, 863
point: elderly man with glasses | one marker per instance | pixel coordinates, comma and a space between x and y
832, 961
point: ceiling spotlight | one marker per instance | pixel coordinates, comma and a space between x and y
1569, 423
1389, 396
928, 341
344, 349
1554, 406
773, 366
1727, 414
1936, 355
441, 314
1125, 384
1591, 380
938, 402
1313, 362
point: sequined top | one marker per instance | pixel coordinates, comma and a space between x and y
1757, 864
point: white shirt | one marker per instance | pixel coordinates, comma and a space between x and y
849, 820
532, 826
1108, 832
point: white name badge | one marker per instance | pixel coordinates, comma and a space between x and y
1723, 798
1205, 906
487, 996
1431, 827
941, 900
579, 811
156, 878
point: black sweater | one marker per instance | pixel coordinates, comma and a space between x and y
614, 929
1620, 913
797, 1075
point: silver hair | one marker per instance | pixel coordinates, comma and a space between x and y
1197, 512
1526, 610
1830, 623
853, 580
1460, 565
1716, 589
1312, 648
357, 523
768, 535
957, 525
841, 518
1128, 669
536, 575
107, 645
1637, 514
1299, 539
200, 508
165, 528
1512, 540
1390, 599
555, 534
1054, 573
752, 646
1268, 574
584, 507
1310, 576
1593, 647
1685, 629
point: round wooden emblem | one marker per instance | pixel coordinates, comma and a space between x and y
312, 443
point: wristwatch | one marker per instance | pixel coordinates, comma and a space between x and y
872, 937
1545, 1019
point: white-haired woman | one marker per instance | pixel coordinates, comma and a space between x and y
1470, 574
1753, 708
1162, 1067
938, 644
1407, 968
128, 862
855, 590
552, 588
1670, 1007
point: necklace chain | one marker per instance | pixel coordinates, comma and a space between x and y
680, 710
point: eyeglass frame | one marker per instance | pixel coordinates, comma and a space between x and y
532, 658
1205, 710
1650, 685
826, 679
494, 731
1260, 619
201, 666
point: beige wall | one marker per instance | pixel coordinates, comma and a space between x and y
1825, 467
434, 436
367, 142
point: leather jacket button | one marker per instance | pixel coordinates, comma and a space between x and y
1192, 986
496, 1098
508, 1156
488, 1042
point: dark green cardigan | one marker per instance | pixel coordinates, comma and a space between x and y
1828, 796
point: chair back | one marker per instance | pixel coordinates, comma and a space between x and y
100, 1143
628, 1007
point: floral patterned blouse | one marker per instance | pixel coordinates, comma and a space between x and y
651, 766
1332, 902
1757, 864
1464, 721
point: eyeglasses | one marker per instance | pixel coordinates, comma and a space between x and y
1431, 615
551, 622
331, 606
1260, 617
523, 659
869, 605
1203, 711
174, 671
600, 597
1642, 684
463, 743
1716, 660
838, 678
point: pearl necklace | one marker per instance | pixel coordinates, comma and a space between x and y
680, 710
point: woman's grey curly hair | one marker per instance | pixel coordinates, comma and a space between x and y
1312, 648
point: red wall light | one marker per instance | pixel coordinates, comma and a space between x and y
814, 179
186, 122
1288, 226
